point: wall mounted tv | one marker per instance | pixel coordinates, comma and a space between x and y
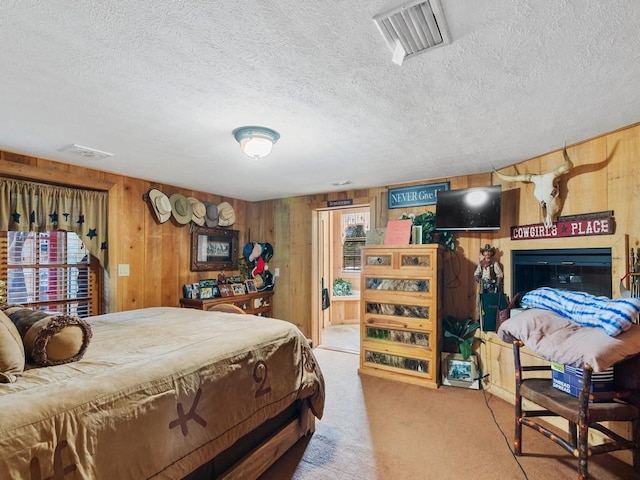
476, 208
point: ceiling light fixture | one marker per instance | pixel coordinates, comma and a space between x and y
256, 142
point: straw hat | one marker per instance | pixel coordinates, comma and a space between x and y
227, 216
181, 208
161, 205
199, 211
211, 215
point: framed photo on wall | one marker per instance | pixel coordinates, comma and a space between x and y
214, 249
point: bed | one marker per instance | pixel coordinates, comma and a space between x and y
164, 393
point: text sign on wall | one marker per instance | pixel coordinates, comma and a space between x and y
568, 228
415, 196
340, 203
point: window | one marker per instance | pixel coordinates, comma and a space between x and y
354, 231
52, 271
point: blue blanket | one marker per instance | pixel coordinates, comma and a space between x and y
614, 316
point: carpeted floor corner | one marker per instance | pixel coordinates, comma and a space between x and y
375, 428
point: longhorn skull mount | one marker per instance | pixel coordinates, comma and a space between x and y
546, 188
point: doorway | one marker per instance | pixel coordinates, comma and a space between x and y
338, 235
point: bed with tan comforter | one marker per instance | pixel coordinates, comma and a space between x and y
159, 392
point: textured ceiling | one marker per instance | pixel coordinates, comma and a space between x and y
161, 84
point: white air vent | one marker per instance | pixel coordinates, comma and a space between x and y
86, 152
413, 28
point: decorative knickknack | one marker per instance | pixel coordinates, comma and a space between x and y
341, 287
427, 223
458, 363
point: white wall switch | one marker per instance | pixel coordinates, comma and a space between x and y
123, 269
276, 272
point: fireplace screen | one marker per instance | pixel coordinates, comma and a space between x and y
584, 270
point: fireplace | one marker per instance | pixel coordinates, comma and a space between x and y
578, 269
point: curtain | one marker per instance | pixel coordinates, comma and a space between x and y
35, 207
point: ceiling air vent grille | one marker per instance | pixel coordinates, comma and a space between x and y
413, 28
85, 152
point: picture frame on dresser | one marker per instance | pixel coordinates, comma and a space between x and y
238, 289
214, 249
226, 290
459, 372
251, 286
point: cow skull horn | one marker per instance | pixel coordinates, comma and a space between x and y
566, 165
525, 177
546, 187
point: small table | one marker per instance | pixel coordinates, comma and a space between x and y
257, 303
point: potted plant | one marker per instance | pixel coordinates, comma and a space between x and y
459, 335
427, 221
341, 287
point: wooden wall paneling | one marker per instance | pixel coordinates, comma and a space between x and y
623, 192
133, 246
259, 223
282, 257
45, 171
584, 188
112, 294
300, 269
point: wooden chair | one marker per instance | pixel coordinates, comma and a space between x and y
581, 412
226, 307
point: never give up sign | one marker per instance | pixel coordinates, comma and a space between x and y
414, 196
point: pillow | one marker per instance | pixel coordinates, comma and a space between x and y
51, 339
613, 316
11, 350
560, 340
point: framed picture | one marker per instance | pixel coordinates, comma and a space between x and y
458, 372
251, 286
238, 289
214, 249
195, 290
206, 289
225, 290
187, 291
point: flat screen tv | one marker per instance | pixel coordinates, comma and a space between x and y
476, 208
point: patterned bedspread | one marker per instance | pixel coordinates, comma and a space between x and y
158, 393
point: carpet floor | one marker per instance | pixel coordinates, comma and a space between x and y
375, 428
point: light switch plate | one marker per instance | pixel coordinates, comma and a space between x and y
123, 270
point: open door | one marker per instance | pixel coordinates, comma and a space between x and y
323, 256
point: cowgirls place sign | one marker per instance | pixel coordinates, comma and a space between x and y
564, 227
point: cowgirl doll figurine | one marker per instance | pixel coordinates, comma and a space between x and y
488, 272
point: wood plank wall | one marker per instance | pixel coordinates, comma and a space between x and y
604, 177
158, 254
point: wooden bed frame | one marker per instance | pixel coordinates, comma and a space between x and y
265, 445
254, 453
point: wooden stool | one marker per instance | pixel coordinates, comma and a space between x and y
581, 413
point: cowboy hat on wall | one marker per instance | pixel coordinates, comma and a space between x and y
161, 205
226, 215
181, 209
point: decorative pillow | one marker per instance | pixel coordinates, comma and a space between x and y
51, 339
613, 316
11, 351
560, 340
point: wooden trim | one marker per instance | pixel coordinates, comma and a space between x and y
256, 462
51, 175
